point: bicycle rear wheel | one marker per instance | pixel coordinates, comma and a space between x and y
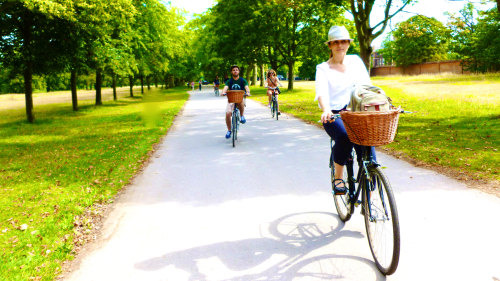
381, 221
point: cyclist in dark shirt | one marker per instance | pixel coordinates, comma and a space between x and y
216, 82
235, 83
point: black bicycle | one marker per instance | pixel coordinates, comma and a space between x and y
235, 124
235, 96
274, 103
370, 188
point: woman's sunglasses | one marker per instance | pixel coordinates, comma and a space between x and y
340, 42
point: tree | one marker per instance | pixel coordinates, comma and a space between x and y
420, 39
294, 30
276, 32
462, 29
31, 39
361, 11
486, 44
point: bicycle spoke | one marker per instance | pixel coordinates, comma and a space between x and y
382, 223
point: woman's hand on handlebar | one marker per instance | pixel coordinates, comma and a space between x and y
326, 116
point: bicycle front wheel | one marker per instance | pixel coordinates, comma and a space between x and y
276, 107
234, 127
272, 108
381, 221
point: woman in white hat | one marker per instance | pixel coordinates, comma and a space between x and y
335, 80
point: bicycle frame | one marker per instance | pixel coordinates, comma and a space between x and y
235, 123
274, 102
367, 161
274, 95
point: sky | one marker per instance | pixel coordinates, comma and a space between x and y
193, 6
429, 8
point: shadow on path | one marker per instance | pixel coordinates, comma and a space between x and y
295, 236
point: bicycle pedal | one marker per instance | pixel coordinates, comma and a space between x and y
357, 203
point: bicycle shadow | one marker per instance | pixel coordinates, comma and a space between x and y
282, 257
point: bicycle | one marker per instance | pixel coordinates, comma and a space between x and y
274, 102
378, 206
235, 96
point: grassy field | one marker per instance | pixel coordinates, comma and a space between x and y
52, 171
55, 174
455, 122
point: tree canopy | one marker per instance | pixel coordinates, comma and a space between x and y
64, 42
420, 39
134, 38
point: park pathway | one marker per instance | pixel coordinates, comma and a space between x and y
203, 210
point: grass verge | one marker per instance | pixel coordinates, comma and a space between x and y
455, 124
63, 166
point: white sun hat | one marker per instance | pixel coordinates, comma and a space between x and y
338, 33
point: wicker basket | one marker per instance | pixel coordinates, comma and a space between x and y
371, 128
235, 96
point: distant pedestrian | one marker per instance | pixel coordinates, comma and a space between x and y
199, 82
192, 85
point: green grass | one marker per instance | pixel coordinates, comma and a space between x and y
455, 124
53, 171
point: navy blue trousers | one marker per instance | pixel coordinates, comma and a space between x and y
343, 146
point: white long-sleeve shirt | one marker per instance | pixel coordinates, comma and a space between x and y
334, 87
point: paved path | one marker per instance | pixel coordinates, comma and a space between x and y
203, 210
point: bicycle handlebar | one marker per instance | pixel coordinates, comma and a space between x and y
335, 116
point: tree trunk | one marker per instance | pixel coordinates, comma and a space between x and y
248, 72
148, 82
254, 70
142, 84
28, 91
98, 83
171, 81
365, 51
114, 87
261, 73
131, 83
28, 65
74, 98
290, 75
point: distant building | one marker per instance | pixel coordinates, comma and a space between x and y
377, 59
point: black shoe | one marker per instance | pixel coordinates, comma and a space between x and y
337, 189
